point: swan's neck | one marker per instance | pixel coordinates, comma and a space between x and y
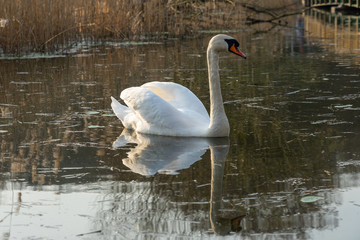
219, 125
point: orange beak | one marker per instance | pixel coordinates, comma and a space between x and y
237, 51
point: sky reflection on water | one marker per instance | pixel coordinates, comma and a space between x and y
293, 108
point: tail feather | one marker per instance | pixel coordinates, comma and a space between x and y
120, 110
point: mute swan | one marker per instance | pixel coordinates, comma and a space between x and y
169, 109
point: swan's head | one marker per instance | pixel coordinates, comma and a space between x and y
222, 42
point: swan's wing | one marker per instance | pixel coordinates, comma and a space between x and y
178, 96
120, 110
154, 114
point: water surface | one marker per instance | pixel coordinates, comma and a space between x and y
69, 170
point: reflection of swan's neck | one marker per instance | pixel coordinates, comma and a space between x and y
219, 125
218, 157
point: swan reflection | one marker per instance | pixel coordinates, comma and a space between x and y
158, 154
222, 222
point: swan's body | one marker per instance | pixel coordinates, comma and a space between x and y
166, 108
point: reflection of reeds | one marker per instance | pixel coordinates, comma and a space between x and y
42, 26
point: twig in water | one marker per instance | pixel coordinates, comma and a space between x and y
83, 234
60, 33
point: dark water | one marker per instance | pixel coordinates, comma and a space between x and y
291, 163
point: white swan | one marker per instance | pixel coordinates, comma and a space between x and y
166, 108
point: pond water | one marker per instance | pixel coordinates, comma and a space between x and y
291, 164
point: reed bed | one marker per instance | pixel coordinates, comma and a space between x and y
56, 25
48, 26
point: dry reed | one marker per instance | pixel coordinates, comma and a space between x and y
48, 26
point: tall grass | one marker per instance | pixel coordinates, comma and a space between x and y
50, 25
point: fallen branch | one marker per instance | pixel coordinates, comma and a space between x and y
66, 30
251, 21
258, 9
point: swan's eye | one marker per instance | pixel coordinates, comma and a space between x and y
233, 46
231, 42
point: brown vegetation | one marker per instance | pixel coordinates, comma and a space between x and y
48, 26
42, 26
